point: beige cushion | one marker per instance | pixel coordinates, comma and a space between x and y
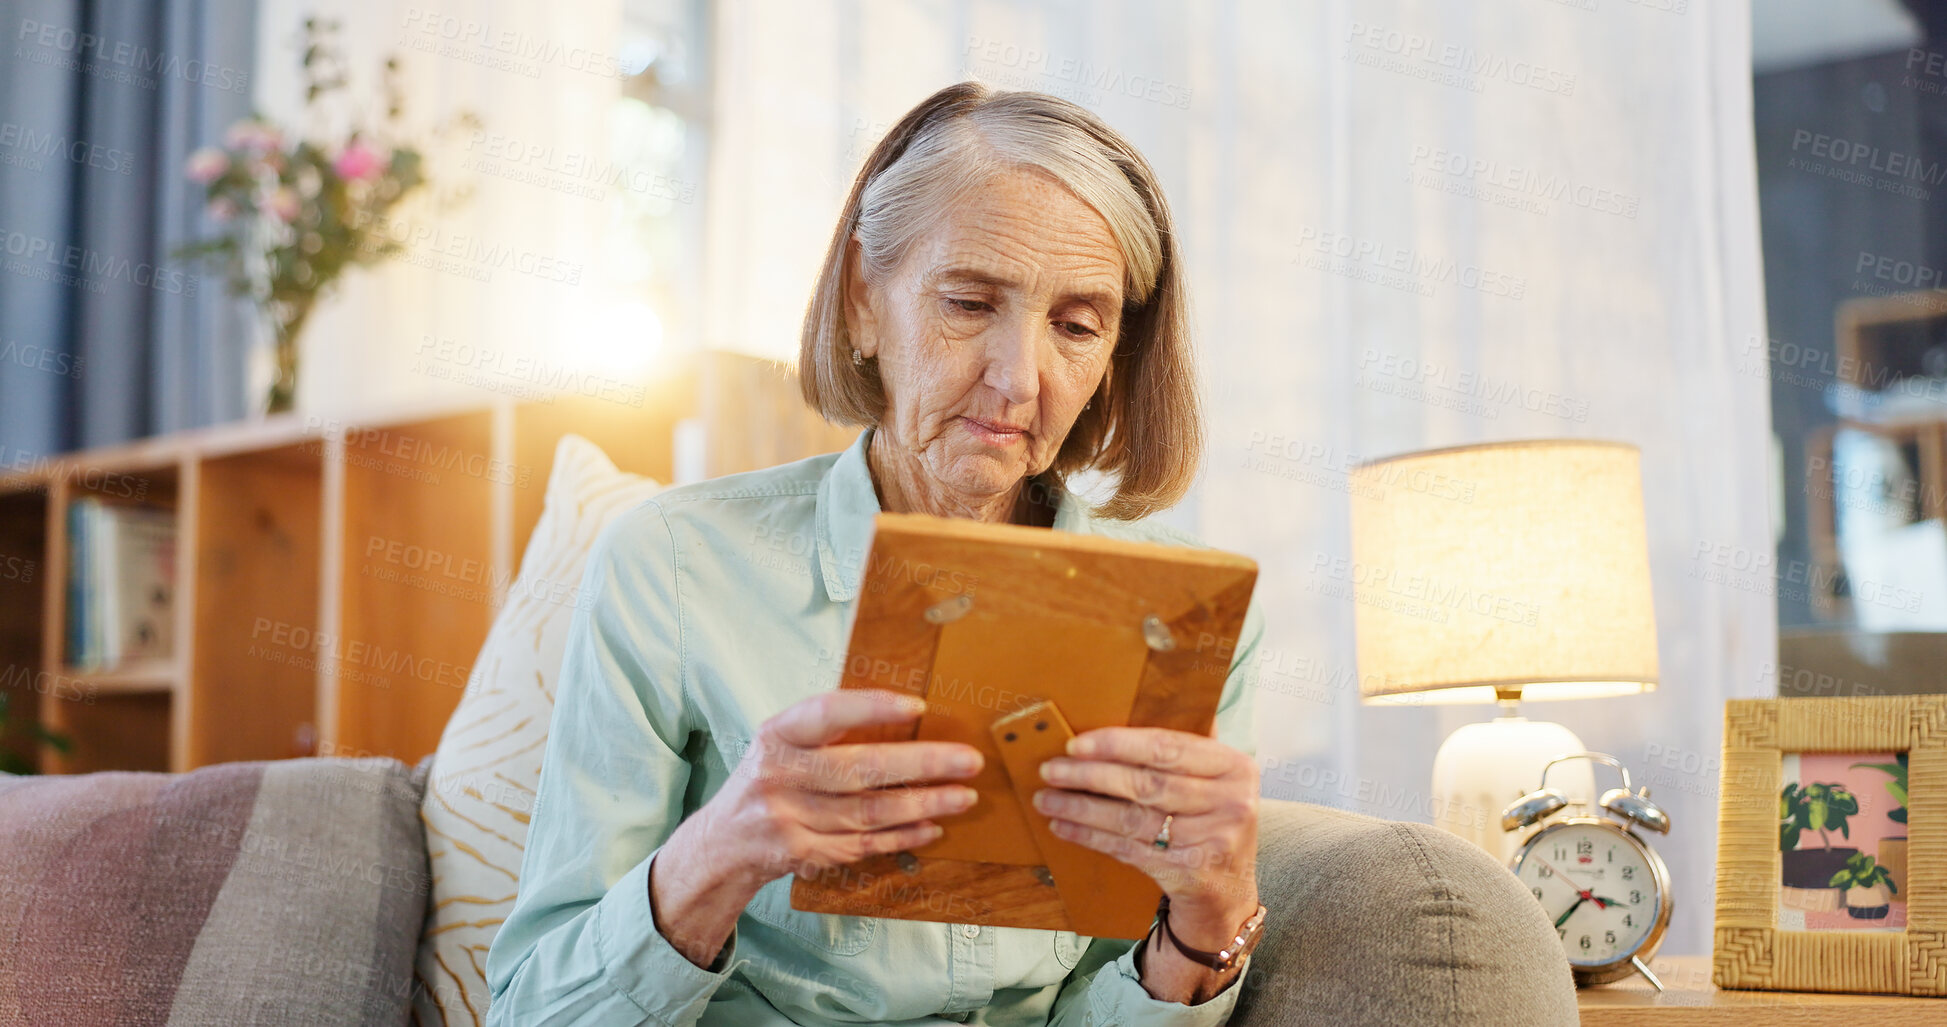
489, 760
1377, 924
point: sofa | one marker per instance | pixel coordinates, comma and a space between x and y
294, 892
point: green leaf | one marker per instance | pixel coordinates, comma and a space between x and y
1841, 879
54, 740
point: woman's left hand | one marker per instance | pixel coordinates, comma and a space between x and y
1112, 791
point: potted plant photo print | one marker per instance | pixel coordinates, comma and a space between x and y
1842, 842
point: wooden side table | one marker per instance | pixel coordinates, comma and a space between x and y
1690, 1000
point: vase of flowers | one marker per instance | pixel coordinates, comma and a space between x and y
298, 212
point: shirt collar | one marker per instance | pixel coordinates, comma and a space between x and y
847, 503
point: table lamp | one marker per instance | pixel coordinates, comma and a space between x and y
1495, 573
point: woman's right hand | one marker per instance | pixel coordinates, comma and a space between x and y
799, 802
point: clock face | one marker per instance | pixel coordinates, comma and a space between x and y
1595, 884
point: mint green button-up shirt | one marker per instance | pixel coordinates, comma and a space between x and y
713, 607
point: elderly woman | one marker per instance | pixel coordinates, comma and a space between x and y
1002, 305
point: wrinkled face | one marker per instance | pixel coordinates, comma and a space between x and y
994, 332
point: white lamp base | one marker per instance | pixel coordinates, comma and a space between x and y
1482, 768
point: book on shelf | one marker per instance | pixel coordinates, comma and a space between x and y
121, 584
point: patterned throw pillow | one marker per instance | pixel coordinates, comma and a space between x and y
489, 760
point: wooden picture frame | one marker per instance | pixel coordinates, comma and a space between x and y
989, 620
1751, 950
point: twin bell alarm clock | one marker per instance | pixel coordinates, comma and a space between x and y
1595, 874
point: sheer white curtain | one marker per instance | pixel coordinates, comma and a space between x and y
1408, 225
515, 273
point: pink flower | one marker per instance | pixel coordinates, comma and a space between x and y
282, 203
207, 165
254, 137
222, 208
359, 162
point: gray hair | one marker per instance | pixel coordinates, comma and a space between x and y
1143, 425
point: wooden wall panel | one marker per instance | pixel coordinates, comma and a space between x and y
417, 579
253, 682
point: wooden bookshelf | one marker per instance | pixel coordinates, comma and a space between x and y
336, 576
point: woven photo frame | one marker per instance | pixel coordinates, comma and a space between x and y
1751, 951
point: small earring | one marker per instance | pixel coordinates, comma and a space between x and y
858, 359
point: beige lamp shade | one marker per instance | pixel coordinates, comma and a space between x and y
1502, 571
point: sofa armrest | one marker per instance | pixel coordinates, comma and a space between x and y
1375, 922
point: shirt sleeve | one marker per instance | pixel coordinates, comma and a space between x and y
580, 944
1104, 987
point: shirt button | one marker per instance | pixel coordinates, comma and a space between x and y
971, 930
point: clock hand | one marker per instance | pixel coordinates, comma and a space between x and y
1588, 894
1557, 873
1560, 920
